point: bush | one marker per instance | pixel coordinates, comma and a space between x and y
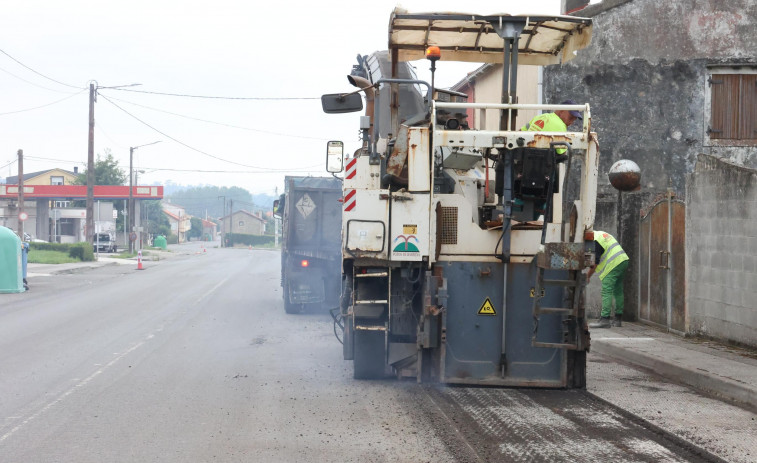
248, 240
60, 247
82, 251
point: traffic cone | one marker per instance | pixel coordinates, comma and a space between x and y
139, 261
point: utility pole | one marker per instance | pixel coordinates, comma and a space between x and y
20, 220
89, 228
231, 216
223, 222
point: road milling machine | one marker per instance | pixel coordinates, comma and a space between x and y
463, 249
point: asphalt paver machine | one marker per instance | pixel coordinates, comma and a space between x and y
464, 249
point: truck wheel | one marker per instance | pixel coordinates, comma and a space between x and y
290, 307
368, 360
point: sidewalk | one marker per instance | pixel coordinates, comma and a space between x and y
724, 371
36, 270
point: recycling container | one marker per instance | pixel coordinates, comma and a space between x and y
11, 265
160, 242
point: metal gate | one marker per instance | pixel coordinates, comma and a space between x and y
662, 258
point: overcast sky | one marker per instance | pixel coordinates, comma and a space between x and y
293, 50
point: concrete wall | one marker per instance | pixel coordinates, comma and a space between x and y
645, 75
721, 250
252, 225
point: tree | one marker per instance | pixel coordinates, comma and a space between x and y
196, 230
107, 172
156, 222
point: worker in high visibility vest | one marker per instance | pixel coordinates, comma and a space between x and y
558, 121
611, 265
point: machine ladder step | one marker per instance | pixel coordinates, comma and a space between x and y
382, 274
559, 282
563, 310
554, 345
571, 312
371, 286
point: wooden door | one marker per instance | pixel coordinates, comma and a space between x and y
662, 286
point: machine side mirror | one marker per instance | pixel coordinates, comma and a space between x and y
336, 103
334, 156
276, 207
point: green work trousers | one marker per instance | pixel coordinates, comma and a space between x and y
612, 288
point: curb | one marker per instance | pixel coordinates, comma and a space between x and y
704, 380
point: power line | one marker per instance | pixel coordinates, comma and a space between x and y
218, 97
221, 123
184, 144
43, 106
200, 171
262, 171
37, 158
32, 83
39, 73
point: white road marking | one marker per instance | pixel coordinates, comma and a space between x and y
212, 290
73, 389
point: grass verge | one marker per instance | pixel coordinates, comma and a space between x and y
39, 256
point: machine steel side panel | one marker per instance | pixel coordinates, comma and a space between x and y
474, 342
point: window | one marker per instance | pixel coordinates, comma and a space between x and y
241, 223
733, 104
56, 180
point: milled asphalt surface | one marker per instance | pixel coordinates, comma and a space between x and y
727, 372
724, 372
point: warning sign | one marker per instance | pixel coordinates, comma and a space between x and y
487, 308
305, 205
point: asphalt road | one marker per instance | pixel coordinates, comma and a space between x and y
194, 360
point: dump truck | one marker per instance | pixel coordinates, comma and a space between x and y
464, 249
311, 216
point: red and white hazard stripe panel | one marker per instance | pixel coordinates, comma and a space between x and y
350, 200
351, 170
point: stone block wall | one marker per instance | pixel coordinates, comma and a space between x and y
721, 250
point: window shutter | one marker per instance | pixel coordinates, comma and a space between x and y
725, 106
748, 111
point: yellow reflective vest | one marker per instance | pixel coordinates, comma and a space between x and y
547, 122
612, 256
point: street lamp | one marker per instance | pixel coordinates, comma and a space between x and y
131, 192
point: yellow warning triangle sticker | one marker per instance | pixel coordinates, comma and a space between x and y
487, 308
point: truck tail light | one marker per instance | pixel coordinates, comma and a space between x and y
304, 263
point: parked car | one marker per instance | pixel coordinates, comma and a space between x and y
104, 242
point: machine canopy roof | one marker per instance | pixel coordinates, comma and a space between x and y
544, 40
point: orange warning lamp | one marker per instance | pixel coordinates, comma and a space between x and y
433, 53
304, 263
